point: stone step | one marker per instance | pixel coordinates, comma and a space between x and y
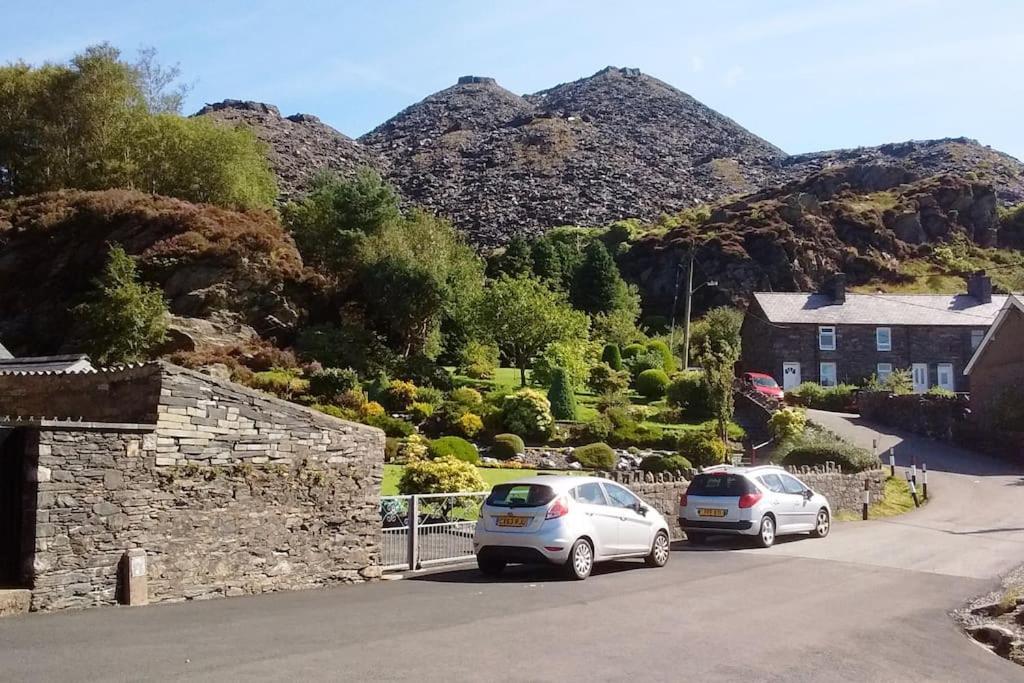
14, 601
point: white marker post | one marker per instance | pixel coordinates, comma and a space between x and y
913, 489
867, 499
892, 461
924, 482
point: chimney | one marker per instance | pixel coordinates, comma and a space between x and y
837, 288
979, 285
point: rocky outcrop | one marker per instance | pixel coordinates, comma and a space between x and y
299, 146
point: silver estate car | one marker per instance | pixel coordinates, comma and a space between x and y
764, 502
569, 521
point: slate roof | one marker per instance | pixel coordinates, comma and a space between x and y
74, 362
880, 309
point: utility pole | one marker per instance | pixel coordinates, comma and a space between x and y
687, 306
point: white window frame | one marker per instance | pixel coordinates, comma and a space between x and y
951, 385
887, 346
977, 336
882, 371
821, 342
821, 373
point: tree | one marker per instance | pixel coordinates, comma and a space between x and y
719, 327
160, 90
717, 351
561, 396
517, 259
597, 285
523, 317
126, 318
547, 263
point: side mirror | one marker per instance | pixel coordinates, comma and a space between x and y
808, 494
641, 509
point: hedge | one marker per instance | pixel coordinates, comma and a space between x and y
455, 446
595, 456
507, 446
652, 383
665, 463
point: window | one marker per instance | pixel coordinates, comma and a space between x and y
883, 338
944, 375
719, 484
882, 371
591, 494
976, 338
827, 375
827, 338
773, 483
520, 495
792, 485
620, 497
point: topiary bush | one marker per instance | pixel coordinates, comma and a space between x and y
443, 475
652, 383
648, 360
787, 423
632, 350
612, 356
400, 395
453, 446
689, 392
561, 396
528, 413
668, 359
847, 456
595, 456
507, 446
702, 448
331, 382
466, 396
665, 463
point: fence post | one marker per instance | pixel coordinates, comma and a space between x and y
867, 498
913, 489
924, 476
892, 461
414, 530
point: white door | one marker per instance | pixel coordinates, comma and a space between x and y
944, 376
805, 516
604, 518
790, 376
784, 504
635, 529
919, 371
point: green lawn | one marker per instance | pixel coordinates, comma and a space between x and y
897, 501
491, 475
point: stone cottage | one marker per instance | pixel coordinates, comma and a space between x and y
997, 370
225, 491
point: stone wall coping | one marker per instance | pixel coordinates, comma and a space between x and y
108, 370
75, 425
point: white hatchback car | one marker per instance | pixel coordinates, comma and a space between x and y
758, 501
569, 521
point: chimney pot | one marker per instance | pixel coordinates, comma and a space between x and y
837, 288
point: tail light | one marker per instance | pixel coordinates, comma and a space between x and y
558, 509
682, 500
749, 500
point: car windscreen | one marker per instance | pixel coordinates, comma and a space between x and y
520, 495
766, 382
719, 484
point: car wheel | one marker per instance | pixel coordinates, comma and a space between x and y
696, 538
581, 560
658, 556
766, 536
822, 524
491, 566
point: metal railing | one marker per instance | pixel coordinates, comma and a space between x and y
424, 530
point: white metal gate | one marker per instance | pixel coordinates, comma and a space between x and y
430, 529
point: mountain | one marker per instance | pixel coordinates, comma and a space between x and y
299, 146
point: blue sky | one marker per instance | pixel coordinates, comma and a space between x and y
805, 75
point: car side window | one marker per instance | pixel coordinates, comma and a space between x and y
773, 482
792, 485
590, 494
620, 497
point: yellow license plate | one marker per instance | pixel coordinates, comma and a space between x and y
711, 512
513, 521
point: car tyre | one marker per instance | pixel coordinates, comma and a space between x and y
581, 560
490, 566
696, 538
822, 524
766, 532
658, 556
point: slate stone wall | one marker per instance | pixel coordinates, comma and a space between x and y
234, 492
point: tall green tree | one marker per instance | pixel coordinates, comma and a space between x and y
597, 286
523, 317
717, 350
561, 396
517, 258
125, 318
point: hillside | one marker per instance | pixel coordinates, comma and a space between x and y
234, 267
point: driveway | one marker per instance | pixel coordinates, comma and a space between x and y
868, 603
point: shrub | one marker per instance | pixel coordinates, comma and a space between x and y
353, 399
420, 411
399, 395
442, 475
632, 350
595, 456
331, 382
390, 449
479, 361
336, 411
423, 371
391, 426
598, 428
941, 392
507, 446
848, 456
279, 382
430, 395
665, 463
703, 448
788, 423
652, 383
412, 447
377, 387
575, 357
839, 398
528, 413
899, 382
604, 379
612, 356
453, 446
625, 431
612, 399
371, 409
668, 359
561, 397
688, 391
466, 396
470, 425
648, 360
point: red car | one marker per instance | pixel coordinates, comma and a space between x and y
763, 384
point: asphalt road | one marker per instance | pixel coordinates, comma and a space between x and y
870, 602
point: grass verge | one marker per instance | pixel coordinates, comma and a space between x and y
897, 501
